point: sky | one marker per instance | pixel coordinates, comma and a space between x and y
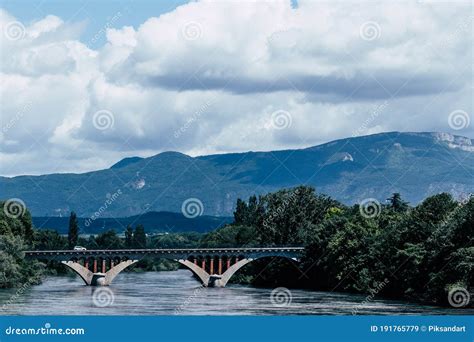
87, 83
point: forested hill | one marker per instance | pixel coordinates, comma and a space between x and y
152, 222
416, 165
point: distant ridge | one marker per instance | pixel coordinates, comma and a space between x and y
154, 222
125, 162
415, 164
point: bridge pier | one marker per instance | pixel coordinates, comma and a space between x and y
215, 281
98, 279
95, 278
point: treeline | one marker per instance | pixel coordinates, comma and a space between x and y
390, 249
16, 236
134, 238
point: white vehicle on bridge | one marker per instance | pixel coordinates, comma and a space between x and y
80, 248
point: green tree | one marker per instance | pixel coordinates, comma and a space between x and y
451, 258
241, 213
73, 232
49, 240
396, 203
139, 237
128, 237
108, 240
284, 216
17, 235
14, 269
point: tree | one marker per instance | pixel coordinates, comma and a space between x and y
14, 269
452, 244
139, 237
241, 212
73, 232
108, 240
129, 237
397, 204
49, 240
28, 232
16, 235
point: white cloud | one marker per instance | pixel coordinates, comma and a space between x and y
200, 80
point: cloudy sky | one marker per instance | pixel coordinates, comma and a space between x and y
85, 84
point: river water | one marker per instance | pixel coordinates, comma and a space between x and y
179, 293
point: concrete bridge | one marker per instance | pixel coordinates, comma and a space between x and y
213, 266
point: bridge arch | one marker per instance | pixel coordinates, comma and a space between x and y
221, 280
197, 270
80, 270
225, 277
98, 278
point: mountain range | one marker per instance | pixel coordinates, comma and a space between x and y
415, 164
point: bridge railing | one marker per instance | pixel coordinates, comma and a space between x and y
165, 251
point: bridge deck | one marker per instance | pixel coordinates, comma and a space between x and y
164, 252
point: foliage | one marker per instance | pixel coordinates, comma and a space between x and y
16, 236
404, 252
73, 232
108, 240
128, 237
139, 237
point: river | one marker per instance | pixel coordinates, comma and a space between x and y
177, 292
